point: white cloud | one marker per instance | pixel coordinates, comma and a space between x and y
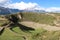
4, 2
52, 9
23, 6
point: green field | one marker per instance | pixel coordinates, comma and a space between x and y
38, 34
38, 17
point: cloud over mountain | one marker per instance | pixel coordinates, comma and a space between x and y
26, 6
53, 9
22, 5
3, 1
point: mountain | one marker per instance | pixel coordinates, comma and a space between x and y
34, 11
5, 11
15, 10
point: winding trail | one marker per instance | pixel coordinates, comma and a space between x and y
38, 25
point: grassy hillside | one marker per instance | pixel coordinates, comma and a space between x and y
9, 35
38, 34
38, 17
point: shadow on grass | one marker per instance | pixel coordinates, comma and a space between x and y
1, 32
21, 27
15, 20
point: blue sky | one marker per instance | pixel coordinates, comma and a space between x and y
43, 3
47, 5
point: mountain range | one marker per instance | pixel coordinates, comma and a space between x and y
5, 11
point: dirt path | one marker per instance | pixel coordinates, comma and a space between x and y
37, 25
1, 28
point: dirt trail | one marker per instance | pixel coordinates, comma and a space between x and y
37, 25
1, 28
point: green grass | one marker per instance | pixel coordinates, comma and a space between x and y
9, 35
38, 34
38, 17
2, 22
